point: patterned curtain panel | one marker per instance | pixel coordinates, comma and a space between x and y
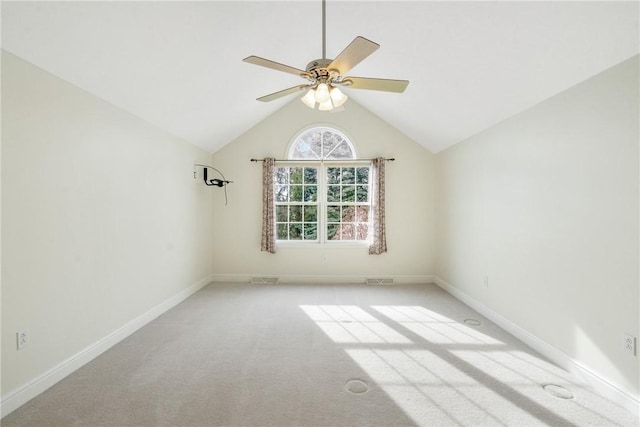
268, 216
379, 243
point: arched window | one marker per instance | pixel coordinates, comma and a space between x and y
322, 193
321, 143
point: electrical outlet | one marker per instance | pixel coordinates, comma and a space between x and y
22, 339
630, 344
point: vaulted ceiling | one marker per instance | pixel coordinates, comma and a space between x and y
179, 64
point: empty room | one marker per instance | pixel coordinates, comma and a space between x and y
320, 213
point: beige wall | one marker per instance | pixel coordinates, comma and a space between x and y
101, 220
545, 204
410, 197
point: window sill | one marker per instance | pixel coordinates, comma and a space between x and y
333, 244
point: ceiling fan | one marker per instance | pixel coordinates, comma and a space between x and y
326, 75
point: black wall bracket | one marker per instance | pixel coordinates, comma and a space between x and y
214, 181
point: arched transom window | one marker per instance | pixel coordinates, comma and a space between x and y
321, 143
322, 193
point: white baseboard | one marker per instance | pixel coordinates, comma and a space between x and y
19, 397
322, 279
600, 384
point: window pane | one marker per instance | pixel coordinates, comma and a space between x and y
310, 214
303, 151
282, 231
333, 193
306, 146
348, 213
316, 143
348, 175
310, 232
362, 214
296, 176
282, 192
282, 175
362, 175
310, 193
349, 193
310, 175
342, 151
348, 232
362, 231
282, 213
296, 193
295, 231
333, 175
362, 193
333, 232
333, 213
329, 141
295, 213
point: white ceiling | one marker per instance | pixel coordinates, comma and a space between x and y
179, 65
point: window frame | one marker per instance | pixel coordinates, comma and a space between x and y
322, 165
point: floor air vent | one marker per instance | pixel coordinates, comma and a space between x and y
269, 280
558, 391
378, 281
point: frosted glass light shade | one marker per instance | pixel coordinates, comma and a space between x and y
326, 105
337, 97
322, 93
309, 98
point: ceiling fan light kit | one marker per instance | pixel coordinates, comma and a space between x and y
309, 98
337, 97
325, 75
327, 97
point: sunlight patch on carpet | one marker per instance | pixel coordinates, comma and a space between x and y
434, 327
346, 324
431, 365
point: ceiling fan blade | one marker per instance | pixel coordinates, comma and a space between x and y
353, 54
280, 94
386, 85
256, 60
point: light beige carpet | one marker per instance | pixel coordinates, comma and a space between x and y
288, 355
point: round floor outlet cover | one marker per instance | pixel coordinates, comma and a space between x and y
357, 386
558, 391
472, 322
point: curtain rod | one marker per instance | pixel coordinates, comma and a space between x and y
321, 160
